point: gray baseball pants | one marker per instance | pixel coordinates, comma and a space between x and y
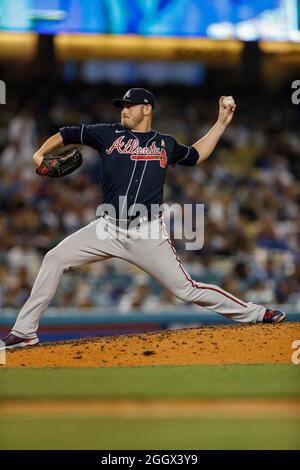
148, 248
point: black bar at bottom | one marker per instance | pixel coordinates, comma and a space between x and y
140, 458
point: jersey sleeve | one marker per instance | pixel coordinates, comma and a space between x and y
92, 135
183, 155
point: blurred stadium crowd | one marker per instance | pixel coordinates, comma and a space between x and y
250, 188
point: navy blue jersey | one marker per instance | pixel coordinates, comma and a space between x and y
134, 164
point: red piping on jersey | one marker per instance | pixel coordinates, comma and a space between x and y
194, 283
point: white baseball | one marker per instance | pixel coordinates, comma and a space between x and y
228, 101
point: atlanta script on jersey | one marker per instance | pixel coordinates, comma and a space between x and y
133, 164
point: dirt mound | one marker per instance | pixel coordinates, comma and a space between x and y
251, 344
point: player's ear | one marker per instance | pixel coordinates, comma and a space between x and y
147, 109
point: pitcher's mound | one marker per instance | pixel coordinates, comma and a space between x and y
254, 344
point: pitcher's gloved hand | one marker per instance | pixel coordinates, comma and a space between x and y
60, 162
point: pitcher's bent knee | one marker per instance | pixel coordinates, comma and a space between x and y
186, 294
55, 257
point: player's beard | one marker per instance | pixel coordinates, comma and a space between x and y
133, 122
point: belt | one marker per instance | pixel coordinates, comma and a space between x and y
131, 222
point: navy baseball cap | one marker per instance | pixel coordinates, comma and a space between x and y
136, 96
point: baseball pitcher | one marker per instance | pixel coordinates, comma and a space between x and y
134, 159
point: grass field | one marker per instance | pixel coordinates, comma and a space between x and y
112, 433
78, 430
152, 382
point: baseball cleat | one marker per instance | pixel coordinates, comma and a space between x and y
12, 341
274, 316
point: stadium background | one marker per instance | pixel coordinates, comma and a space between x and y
188, 52
250, 186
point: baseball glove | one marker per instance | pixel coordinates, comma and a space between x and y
60, 162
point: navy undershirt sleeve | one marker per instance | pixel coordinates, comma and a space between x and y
184, 155
92, 135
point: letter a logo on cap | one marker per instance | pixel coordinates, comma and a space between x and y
127, 95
